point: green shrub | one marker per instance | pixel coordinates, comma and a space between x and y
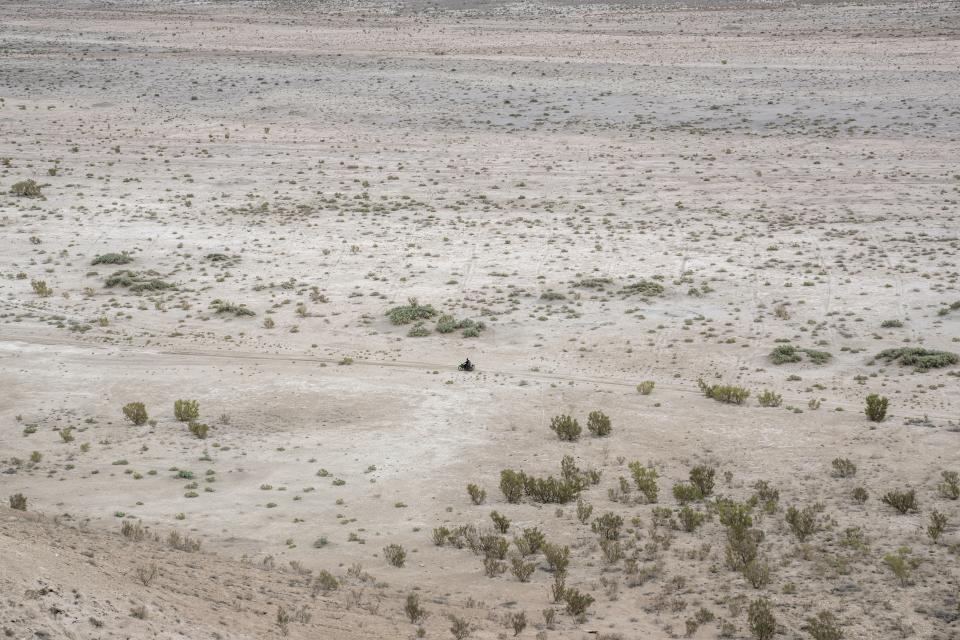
824, 627
440, 536
577, 603
901, 564
728, 393
415, 613
18, 501
701, 477
26, 189
902, 501
531, 540
598, 424
690, 518
891, 324
418, 330
135, 413
844, 468
950, 487
459, 627
786, 353
876, 409
557, 557
395, 554
566, 427
511, 485
770, 399
477, 495
584, 510
860, 495
112, 258
644, 288
607, 526
199, 429
684, 493
757, 573
803, 522
500, 522
645, 388
760, 618
186, 410
521, 569
646, 480
239, 310
411, 312
40, 288
919, 358
325, 582
137, 282
938, 524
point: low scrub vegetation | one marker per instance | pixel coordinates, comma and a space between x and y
727, 393
411, 312
919, 358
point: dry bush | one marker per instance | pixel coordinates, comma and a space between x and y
136, 413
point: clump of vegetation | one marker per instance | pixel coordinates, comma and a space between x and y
701, 477
891, 324
607, 526
953, 306
938, 524
566, 427
844, 468
577, 602
593, 283
26, 189
515, 484
418, 330
113, 258
223, 306
449, 324
477, 495
500, 522
824, 627
803, 522
411, 312
598, 423
415, 613
684, 493
137, 282
645, 288
770, 399
645, 478
762, 623
902, 501
199, 430
136, 413
919, 358
645, 388
728, 393
950, 487
787, 353
41, 288
395, 554
901, 564
876, 408
186, 410
18, 501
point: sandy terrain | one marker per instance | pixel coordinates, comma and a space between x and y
617, 194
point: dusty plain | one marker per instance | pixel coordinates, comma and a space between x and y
653, 192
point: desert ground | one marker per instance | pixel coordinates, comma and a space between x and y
297, 218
